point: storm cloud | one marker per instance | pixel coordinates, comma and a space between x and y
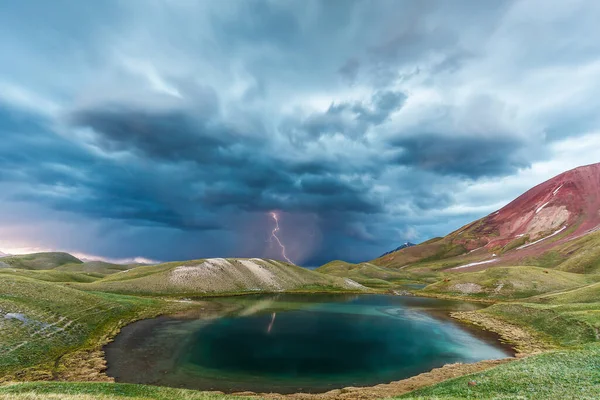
170, 130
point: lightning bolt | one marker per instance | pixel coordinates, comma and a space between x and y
274, 236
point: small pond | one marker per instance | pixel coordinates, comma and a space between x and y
288, 343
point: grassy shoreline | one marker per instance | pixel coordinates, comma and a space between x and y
71, 389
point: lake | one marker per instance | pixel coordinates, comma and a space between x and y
288, 343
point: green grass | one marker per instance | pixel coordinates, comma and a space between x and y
94, 267
549, 259
586, 294
102, 391
515, 243
581, 255
561, 327
504, 283
40, 322
569, 374
40, 260
51, 275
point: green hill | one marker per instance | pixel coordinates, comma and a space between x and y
218, 276
51, 275
40, 260
586, 294
95, 267
366, 273
581, 255
41, 322
508, 282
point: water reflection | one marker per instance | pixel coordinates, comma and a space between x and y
272, 322
320, 342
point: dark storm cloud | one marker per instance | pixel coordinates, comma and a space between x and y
169, 135
230, 169
471, 157
67, 176
351, 119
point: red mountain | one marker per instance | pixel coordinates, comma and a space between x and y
569, 201
559, 210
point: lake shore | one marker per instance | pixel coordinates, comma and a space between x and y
522, 341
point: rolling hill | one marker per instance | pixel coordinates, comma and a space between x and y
94, 267
217, 276
509, 282
365, 273
40, 261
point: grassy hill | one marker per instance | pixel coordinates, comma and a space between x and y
219, 276
366, 273
580, 255
432, 250
95, 267
508, 282
51, 275
42, 322
40, 260
586, 294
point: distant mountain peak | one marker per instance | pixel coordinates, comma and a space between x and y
402, 246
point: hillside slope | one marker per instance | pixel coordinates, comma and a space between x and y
563, 209
42, 321
40, 261
586, 294
365, 273
94, 267
509, 282
219, 275
402, 246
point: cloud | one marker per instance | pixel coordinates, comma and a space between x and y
352, 120
470, 157
169, 130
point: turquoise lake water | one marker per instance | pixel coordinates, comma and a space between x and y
291, 343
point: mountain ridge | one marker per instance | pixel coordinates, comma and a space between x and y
552, 213
401, 247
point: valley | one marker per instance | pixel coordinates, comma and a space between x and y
530, 280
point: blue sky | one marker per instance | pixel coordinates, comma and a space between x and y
170, 129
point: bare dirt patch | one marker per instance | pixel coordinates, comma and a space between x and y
467, 288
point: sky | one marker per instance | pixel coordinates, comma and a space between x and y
170, 130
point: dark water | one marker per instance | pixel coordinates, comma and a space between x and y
291, 343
